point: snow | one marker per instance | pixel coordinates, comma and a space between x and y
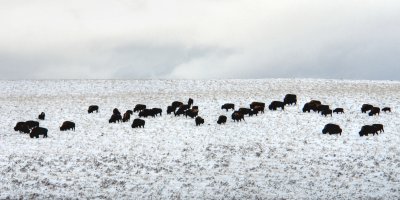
278, 154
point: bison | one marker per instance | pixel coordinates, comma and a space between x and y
199, 121
170, 110
179, 112
253, 112
115, 118
32, 124
41, 116
139, 107
338, 110
156, 111
176, 104
190, 102
366, 107
146, 113
378, 127
38, 131
245, 111
67, 125
276, 104
22, 127
138, 123
237, 116
322, 107
221, 119
332, 129
127, 116
326, 112
290, 99
259, 109
367, 129
192, 113
93, 108
254, 104
116, 111
228, 106
386, 109
374, 111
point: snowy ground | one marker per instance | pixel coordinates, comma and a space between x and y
274, 155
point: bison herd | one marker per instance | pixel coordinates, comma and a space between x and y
178, 108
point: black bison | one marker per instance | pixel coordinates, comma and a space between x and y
67, 125
93, 108
276, 104
192, 113
139, 107
378, 127
170, 110
180, 111
315, 102
237, 116
322, 107
127, 116
312, 105
32, 124
326, 112
259, 109
332, 129
176, 104
221, 119
244, 111
228, 106
22, 127
199, 121
307, 107
138, 123
184, 107
38, 131
41, 116
374, 111
366, 107
190, 102
156, 111
338, 110
254, 104
115, 118
367, 129
386, 109
253, 112
146, 113
290, 99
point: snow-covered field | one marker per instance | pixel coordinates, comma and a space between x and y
278, 154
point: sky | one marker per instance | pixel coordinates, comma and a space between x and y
199, 39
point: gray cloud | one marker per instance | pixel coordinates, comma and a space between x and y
199, 39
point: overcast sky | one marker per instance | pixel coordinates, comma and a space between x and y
141, 39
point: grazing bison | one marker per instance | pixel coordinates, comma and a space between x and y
41, 116
367, 129
190, 102
156, 111
326, 112
199, 121
386, 109
22, 127
170, 110
192, 113
290, 99
67, 125
138, 123
237, 116
32, 124
307, 107
228, 106
115, 118
276, 104
338, 110
38, 131
179, 112
366, 107
254, 104
322, 107
146, 113
127, 116
176, 104
139, 107
378, 127
374, 111
332, 129
221, 119
93, 108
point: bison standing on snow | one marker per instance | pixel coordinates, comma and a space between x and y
67, 125
41, 116
338, 110
228, 106
237, 116
221, 119
332, 129
386, 109
127, 116
93, 108
22, 127
374, 111
290, 99
139, 107
138, 123
326, 112
366, 107
199, 121
38, 131
32, 124
276, 104
378, 127
115, 118
367, 129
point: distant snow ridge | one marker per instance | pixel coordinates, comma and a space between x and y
276, 154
